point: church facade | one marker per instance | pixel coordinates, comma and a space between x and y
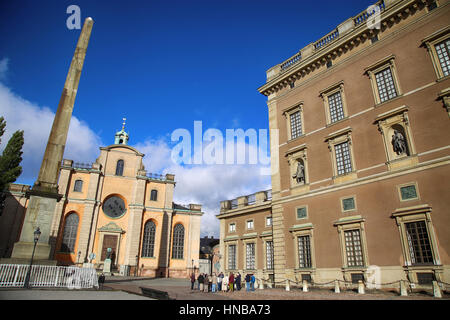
114, 203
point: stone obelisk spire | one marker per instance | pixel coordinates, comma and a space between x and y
49, 172
44, 194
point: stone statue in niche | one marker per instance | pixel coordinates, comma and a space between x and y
299, 175
398, 143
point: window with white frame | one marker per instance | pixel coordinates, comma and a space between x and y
294, 121
443, 55
232, 227
385, 84
384, 79
304, 251
268, 221
353, 248
269, 255
250, 224
336, 107
296, 124
250, 256
343, 159
232, 257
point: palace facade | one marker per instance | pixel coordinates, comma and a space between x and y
361, 163
114, 203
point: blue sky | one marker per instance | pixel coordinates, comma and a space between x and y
160, 64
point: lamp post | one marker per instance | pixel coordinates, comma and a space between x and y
37, 234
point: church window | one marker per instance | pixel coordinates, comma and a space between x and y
70, 233
178, 242
154, 195
78, 186
148, 243
119, 168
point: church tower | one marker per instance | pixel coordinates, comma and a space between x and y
121, 136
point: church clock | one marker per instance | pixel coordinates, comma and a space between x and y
114, 207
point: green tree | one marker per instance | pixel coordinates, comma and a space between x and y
10, 160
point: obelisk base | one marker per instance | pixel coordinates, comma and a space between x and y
40, 213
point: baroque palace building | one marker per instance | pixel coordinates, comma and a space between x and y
114, 203
361, 163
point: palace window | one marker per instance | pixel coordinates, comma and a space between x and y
384, 79
232, 227
294, 121
443, 54
148, 242
70, 233
269, 255
154, 195
268, 221
302, 213
250, 224
353, 248
178, 242
334, 102
336, 107
348, 204
418, 243
296, 125
385, 84
232, 257
353, 243
343, 160
78, 186
304, 251
119, 168
250, 256
438, 46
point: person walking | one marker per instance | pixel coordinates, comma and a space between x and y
219, 281
252, 282
192, 280
214, 282
225, 284
238, 282
247, 282
231, 281
200, 282
206, 281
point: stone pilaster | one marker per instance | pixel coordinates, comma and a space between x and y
279, 243
135, 222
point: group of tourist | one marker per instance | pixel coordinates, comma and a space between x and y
221, 282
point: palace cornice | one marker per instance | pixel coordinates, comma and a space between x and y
343, 43
244, 210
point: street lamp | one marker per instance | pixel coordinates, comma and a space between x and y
37, 234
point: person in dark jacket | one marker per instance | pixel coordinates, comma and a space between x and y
101, 281
238, 281
247, 282
206, 282
200, 281
192, 281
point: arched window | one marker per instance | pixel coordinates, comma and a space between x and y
70, 233
119, 168
154, 195
178, 242
78, 186
148, 243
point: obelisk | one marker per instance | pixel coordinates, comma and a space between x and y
44, 194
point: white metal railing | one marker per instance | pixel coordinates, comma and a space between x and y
13, 275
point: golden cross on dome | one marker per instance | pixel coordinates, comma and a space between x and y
123, 124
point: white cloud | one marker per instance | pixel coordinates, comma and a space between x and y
204, 184
82, 143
